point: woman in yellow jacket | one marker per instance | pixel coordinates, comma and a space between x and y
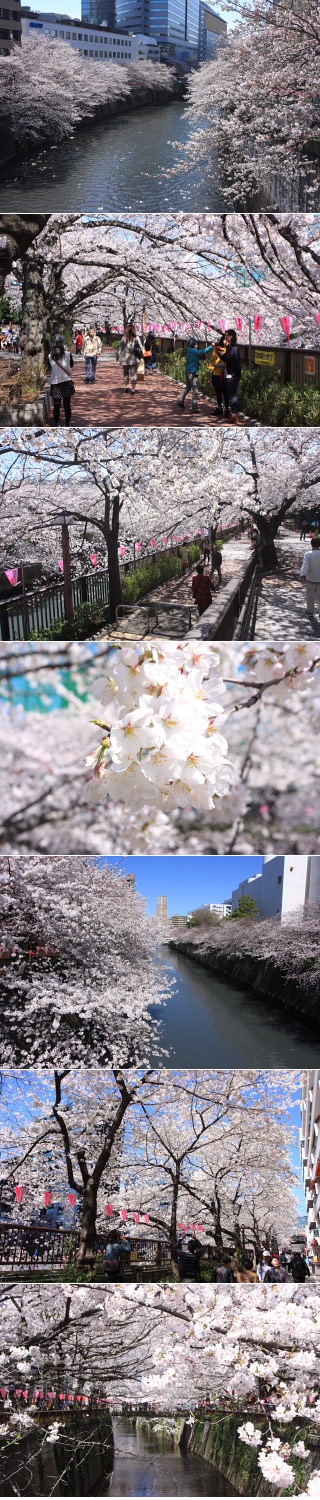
217, 367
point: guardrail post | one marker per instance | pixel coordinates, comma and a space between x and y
67, 584
4, 622
26, 621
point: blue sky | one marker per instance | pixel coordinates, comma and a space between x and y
189, 882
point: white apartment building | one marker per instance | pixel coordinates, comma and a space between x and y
91, 41
310, 1148
287, 883
218, 909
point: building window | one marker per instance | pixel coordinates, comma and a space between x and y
68, 34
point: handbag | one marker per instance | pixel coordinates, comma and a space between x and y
65, 372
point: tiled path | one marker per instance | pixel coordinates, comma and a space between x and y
282, 611
175, 623
154, 404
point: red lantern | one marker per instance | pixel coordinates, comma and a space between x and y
48, 1199
72, 1197
19, 1192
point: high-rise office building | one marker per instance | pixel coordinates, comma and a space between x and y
182, 27
288, 883
162, 910
99, 12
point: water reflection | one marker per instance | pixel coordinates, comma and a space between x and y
146, 1464
210, 1021
120, 164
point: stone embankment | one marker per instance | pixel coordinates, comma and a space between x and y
216, 1439
269, 976
13, 148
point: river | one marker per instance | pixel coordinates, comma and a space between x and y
119, 164
210, 1022
146, 1464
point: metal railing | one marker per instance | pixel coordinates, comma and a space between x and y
43, 607
245, 629
153, 610
29, 1246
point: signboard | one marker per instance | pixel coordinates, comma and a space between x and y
265, 357
309, 364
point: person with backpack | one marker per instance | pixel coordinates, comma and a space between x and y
224, 1272
130, 353
189, 1255
193, 361
298, 1267
114, 1256
202, 588
61, 385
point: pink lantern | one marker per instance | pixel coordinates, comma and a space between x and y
136, 1217
19, 1192
223, 324
123, 551
153, 544
166, 540
109, 1210
72, 1197
318, 317
138, 546
123, 1214
176, 538
146, 1219
287, 325
240, 324
61, 565
13, 575
48, 1199
94, 558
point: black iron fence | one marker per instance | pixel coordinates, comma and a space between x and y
29, 1246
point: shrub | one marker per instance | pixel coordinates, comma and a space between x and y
270, 401
87, 619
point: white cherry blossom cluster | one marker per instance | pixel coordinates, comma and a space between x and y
162, 744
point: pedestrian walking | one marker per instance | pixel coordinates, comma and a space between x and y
189, 1255
298, 1267
206, 550
224, 1272
217, 367
264, 1264
232, 374
202, 588
193, 361
92, 349
185, 559
114, 1270
216, 561
61, 385
147, 353
130, 353
79, 342
310, 573
276, 1272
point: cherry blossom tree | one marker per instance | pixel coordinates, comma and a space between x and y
173, 1345
169, 1144
77, 965
48, 88
152, 488
268, 714
272, 55
167, 266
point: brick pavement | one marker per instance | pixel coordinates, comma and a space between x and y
154, 404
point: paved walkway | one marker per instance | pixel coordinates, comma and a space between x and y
177, 622
282, 612
154, 404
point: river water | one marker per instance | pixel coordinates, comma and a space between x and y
210, 1022
116, 164
145, 1464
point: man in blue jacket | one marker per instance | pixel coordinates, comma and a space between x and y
194, 356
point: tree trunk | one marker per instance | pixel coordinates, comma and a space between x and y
268, 527
16, 234
35, 342
87, 1246
115, 590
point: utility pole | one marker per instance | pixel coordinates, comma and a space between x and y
67, 584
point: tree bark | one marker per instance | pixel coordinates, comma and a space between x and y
115, 589
36, 323
17, 233
87, 1246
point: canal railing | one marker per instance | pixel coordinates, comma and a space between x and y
28, 1246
